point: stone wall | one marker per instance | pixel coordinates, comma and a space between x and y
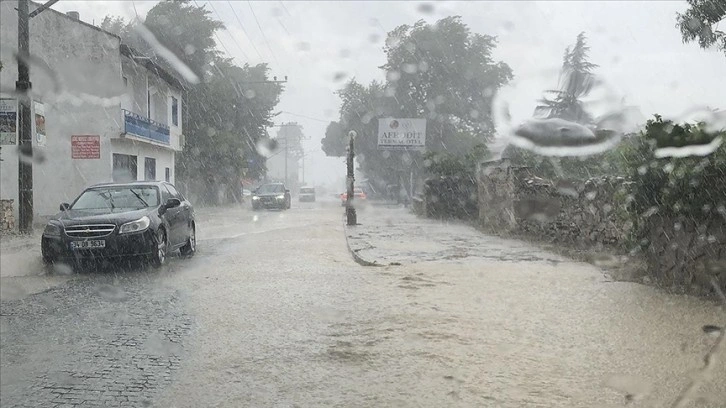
594, 214
7, 219
580, 213
682, 252
450, 197
511, 199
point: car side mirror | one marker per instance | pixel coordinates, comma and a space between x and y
287, 191
65, 206
172, 203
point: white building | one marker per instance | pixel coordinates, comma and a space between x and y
108, 113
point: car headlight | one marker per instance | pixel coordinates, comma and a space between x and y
52, 230
255, 198
281, 197
135, 226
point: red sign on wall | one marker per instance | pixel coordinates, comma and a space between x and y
86, 147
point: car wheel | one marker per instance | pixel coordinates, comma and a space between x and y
47, 259
158, 258
191, 247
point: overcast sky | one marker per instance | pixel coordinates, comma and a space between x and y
635, 43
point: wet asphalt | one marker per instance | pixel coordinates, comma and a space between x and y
273, 312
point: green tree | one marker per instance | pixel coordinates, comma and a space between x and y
445, 73
692, 186
700, 23
118, 26
228, 117
442, 72
186, 30
225, 116
576, 82
333, 143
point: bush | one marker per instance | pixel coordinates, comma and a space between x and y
693, 186
450, 189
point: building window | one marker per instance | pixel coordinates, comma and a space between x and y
167, 175
174, 111
124, 168
149, 169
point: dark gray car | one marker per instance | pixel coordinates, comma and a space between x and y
139, 219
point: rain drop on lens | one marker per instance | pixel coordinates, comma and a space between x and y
560, 138
409, 68
425, 8
394, 76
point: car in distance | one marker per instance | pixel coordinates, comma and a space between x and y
119, 220
358, 195
307, 194
274, 195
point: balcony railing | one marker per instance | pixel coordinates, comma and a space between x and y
146, 128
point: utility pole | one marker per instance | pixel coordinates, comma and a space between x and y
25, 127
284, 136
350, 213
286, 143
25, 139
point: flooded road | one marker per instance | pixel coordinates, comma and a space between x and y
273, 312
285, 318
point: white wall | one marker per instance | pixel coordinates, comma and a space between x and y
138, 77
164, 157
84, 101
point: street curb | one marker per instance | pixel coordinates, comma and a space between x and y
356, 257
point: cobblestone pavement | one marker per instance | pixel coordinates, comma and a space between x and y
396, 236
103, 337
100, 340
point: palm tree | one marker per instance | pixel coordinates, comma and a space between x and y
576, 81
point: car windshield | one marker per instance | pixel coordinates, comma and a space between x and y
271, 188
117, 198
361, 203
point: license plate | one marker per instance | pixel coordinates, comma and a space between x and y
89, 244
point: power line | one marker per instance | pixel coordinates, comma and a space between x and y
228, 32
305, 116
285, 8
244, 30
216, 36
264, 37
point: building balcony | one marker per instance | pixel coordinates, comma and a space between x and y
144, 128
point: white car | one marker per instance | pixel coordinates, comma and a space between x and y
307, 194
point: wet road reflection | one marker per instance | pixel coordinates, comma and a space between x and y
272, 311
